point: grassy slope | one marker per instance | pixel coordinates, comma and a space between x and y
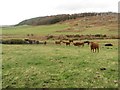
93, 25
59, 66
40, 30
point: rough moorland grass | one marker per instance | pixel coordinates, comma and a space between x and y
92, 30
54, 29
59, 66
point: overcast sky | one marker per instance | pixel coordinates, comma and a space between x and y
14, 11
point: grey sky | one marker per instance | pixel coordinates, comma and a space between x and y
14, 11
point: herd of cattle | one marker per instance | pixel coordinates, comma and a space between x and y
93, 45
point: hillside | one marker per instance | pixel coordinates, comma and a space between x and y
104, 24
46, 20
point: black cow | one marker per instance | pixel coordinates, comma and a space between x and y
108, 44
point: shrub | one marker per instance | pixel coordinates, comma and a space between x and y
13, 41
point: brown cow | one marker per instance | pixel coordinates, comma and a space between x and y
94, 46
78, 43
88, 42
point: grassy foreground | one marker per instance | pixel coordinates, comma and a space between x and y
54, 66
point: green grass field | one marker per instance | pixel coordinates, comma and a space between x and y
55, 66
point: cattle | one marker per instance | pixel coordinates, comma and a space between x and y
108, 44
58, 42
78, 43
88, 42
94, 46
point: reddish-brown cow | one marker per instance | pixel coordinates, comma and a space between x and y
78, 43
94, 46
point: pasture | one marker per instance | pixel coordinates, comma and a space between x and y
60, 66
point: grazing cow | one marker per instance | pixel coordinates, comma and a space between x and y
58, 42
87, 42
78, 43
94, 46
108, 44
